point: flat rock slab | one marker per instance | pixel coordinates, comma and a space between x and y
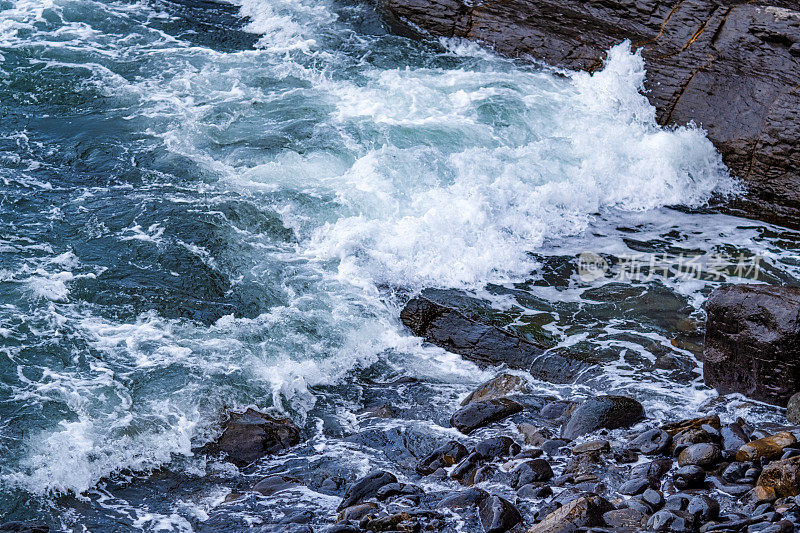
456, 328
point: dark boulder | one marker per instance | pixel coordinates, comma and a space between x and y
753, 342
730, 66
468, 498
252, 435
498, 515
479, 414
444, 456
603, 412
365, 488
495, 447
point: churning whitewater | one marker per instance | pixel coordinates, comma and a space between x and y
208, 207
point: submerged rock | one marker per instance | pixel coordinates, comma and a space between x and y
479, 414
454, 331
603, 412
23, 527
252, 435
753, 342
457, 330
730, 66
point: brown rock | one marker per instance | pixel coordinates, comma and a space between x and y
251, 435
753, 342
764, 494
498, 387
693, 423
782, 477
600, 445
585, 511
767, 448
728, 65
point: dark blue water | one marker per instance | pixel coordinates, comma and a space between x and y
209, 206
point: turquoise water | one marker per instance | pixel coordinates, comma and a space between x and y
212, 206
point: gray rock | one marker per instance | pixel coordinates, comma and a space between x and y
530, 472
497, 515
689, 477
603, 412
704, 454
444, 456
793, 409
468, 498
479, 414
652, 442
586, 510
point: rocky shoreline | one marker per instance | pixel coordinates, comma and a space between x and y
730, 66
515, 460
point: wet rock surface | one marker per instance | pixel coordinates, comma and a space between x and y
479, 414
251, 435
447, 321
731, 67
752, 343
678, 476
609, 412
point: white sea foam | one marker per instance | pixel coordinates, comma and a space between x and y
426, 216
413, 176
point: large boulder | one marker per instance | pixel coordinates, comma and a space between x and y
252, 435
603, 412
753, 342
728, 65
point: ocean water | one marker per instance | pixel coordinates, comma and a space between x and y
209, 206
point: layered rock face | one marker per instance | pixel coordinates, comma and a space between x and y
753, 341
732, 67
